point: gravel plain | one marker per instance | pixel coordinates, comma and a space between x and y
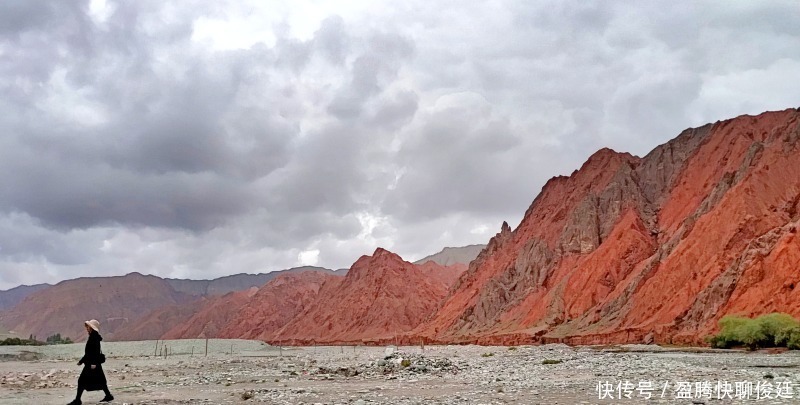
240, 372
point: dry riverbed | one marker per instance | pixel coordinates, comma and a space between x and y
239, 372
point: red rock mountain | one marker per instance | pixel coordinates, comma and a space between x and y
261, 313
213, 315
133, 307
250, 314
12, 297
277, 303
380, 297
114, 301
159, 321
652, 249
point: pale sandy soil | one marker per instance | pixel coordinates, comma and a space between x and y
256, 373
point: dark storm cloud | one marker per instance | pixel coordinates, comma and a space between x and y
201, 139
163, 153
19, 17
371, 73
22, 241
453, 164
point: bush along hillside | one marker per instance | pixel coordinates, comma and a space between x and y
14, 341
55, 339
771, 330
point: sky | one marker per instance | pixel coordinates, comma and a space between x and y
198, 139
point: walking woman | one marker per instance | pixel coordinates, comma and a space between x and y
92, 377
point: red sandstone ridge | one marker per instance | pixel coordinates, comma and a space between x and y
156, 323
276, 303
381, 296
114, 301
212, 317
652, 249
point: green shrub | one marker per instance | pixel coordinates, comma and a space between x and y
547, 361
12, 342
793, 343
487, 354
777, 327
20, 342
771, 330
729, 332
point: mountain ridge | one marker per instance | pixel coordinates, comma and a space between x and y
381, 296
614, 253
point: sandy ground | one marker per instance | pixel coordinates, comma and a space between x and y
250, 372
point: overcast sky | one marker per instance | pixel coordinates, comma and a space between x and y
197, 139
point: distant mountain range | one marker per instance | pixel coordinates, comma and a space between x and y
9, 298
236, 282
136, 306
453, 255
44, 309
218, 286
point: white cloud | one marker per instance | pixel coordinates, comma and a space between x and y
308, 257
100, 10
767, 88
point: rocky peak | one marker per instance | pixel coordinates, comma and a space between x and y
376, 265
497, 240
605, 157
381, 252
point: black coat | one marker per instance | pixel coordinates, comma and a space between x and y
92, 379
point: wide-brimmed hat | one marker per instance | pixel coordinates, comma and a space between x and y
94, 324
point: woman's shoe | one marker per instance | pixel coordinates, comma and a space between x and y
107, 398
75, 402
